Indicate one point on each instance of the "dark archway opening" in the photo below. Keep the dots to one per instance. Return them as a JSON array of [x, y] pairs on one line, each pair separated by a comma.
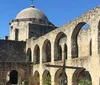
[[46, 51], [46, 78], [36, 78], [61, 38], [29, 54], [81, 77], [59, 52], [65, 51], [59, 78], [79, 29], [36, 55], [14, 77]]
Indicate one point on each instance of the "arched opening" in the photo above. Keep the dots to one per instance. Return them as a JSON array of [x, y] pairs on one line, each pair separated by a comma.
[[29, 54], [58, 77], [65, 51], [60, 40], [36, 78], [81, 77], [80, 34], [13, 77], [46, 50], [46, 78], [90, 47], [59, 52], [36, 58]]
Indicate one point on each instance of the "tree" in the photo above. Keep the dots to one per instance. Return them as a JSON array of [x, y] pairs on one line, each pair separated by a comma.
[[85, 82], [47, 80]]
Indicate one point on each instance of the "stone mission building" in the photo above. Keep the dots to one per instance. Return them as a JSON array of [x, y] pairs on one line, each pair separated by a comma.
[[34, 41]]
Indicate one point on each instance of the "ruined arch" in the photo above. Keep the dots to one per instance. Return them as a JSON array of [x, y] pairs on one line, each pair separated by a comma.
[[36, 58], [29, 54], [13, 77], [58, 77], [81, 75], [46, 50], [46, 78], [60, 40], [74, 37], [36, 78]]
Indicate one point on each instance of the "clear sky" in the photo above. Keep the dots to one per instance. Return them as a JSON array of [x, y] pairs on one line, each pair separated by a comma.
[[59, 12]]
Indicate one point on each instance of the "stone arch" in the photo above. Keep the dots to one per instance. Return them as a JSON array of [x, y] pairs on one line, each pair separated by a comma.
[[46, 78], [36, 78], [46, 50], [74, 36], [60, 40], [29, 54], [13, 77], [58, 77], [81, 75], [36, 58]]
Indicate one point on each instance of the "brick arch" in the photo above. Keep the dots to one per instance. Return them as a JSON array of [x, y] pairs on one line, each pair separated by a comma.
[[46, 50], [74, 36], [36, 58], [46, 77], [80, 74], [60, 39], [29, 54], [58, 77]]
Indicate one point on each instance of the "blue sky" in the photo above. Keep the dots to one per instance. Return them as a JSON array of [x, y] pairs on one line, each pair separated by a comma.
[[58, 12]]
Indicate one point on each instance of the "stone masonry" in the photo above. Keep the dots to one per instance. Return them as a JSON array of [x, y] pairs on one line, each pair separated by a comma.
[[37, 42]]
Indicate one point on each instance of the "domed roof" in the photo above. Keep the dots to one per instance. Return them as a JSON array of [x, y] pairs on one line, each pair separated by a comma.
[[31, 12]]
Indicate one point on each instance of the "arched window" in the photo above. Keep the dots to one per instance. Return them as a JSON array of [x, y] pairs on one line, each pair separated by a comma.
[[61, 38], [13, 77], [29, 54], [46, 51], [36, 58]]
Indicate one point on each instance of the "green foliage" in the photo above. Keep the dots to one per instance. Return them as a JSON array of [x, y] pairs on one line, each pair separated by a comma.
[[31, 81], [47, 80], [26, 82], [85, 82], [36, 81]]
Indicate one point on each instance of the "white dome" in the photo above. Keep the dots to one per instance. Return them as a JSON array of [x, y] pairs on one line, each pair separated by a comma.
[[31, 12]]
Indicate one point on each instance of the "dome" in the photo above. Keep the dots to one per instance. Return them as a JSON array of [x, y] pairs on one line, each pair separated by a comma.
[[31, 12]]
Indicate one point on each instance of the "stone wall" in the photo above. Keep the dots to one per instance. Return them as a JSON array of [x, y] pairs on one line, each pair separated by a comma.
[[82, 48], [36, 30], [12, 51]]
